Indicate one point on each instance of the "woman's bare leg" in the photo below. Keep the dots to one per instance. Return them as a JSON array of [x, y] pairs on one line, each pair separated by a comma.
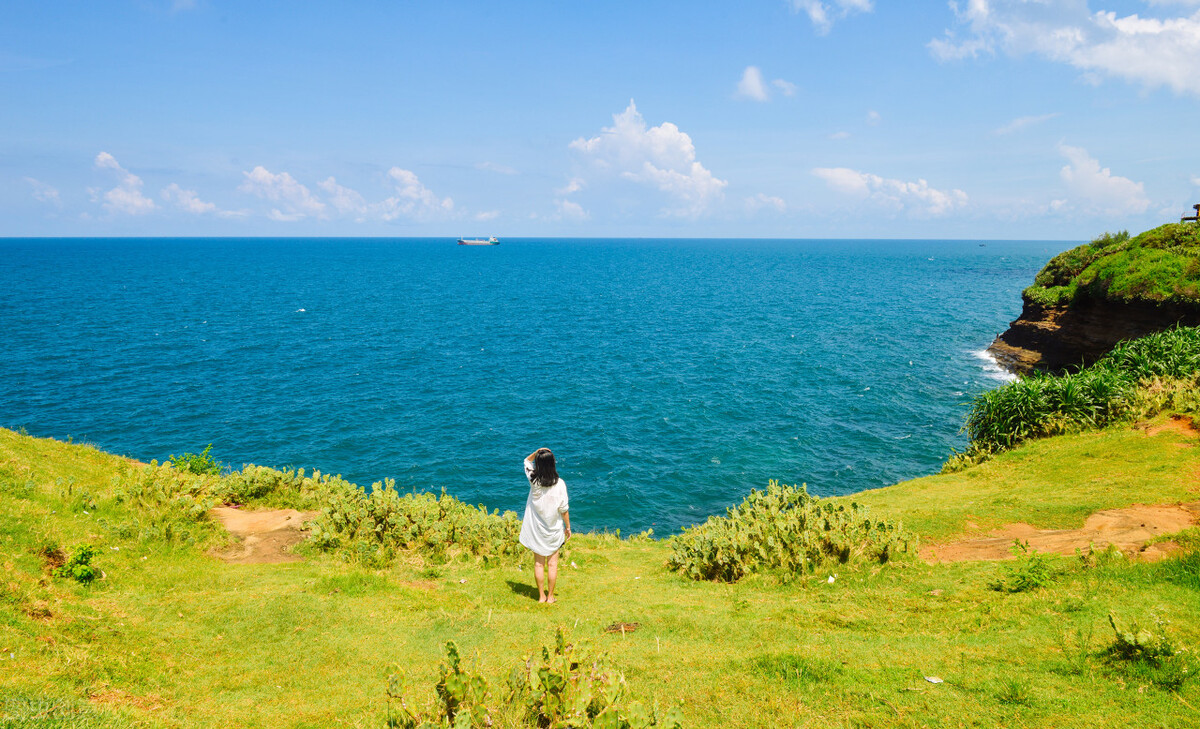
[[553, 576], [539, 574]]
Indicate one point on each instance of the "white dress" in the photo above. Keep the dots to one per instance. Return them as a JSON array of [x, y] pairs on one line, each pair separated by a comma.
[[542, 528]]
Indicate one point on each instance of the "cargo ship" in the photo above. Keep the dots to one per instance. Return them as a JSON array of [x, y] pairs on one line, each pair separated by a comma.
[[479, 241]]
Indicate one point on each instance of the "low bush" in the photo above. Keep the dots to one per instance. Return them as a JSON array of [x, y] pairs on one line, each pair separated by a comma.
[[785, 529], [1138, 378], [1149, 655], [559, 687], [79, 566], [1031, 571], [373, 528], [200, 464]]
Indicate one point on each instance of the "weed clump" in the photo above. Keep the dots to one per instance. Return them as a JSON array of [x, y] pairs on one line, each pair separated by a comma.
[[200, 464], [1031, 571], [1149, 655], [785, 529], [79, 566], [558, 687]]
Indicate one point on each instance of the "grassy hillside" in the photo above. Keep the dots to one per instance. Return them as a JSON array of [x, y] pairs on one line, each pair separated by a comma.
[[173, 637], [1159, 266]]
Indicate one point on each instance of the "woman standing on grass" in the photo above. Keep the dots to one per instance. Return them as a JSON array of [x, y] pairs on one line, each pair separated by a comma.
[[547, 524]]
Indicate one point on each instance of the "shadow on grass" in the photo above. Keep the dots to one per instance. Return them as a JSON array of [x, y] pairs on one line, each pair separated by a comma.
[[524, 589]]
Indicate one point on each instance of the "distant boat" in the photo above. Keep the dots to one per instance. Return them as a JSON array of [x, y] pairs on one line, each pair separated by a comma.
[[479, 241]]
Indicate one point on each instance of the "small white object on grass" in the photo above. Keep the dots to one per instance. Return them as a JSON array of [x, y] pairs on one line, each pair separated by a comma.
[[463, 581], [831, 579], [574, 566], [637, 578], [933, 679]]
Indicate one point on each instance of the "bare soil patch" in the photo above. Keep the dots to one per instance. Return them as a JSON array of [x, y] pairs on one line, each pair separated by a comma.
[[1179, 424], [1127, 529], [264, 537]]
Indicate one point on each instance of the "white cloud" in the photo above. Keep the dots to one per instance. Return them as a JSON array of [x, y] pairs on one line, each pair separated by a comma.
[[344, 200], [762, 201], [662, 157], [1022, 122], [568, 210], [413, 199], [1152, 52], [295, 201], [836, 136], [823, 15], [917, 198], [1097, 190], [752, 86], [187, 200], [1196, 180], [574, 185], [126, 197], [787, 88], [874, 117], [487, 215], [44, 193]]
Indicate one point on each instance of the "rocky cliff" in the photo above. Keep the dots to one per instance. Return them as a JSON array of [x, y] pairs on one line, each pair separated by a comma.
[[1052, 338]]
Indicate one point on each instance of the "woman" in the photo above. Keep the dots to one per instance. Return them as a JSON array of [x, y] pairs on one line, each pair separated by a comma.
[[547, 523]]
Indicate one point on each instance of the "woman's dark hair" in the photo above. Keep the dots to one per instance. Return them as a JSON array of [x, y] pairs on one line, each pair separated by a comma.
[[544, 473]]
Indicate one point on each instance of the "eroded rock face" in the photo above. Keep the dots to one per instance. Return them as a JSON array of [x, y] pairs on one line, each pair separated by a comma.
[[1055, 338]]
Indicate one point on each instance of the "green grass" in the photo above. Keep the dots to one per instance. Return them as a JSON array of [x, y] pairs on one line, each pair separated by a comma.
[[172, 637], [1159, 266]]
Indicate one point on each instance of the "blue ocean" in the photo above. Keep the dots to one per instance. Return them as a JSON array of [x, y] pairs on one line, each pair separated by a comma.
[[670, 377]]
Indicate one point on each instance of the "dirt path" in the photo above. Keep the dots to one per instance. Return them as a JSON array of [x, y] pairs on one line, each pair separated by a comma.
[[1128, 529], [265, 536]]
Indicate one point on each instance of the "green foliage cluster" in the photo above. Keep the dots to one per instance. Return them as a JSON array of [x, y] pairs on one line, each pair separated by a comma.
[[79, 566], [1138, 378], [373, 528], [1150, 655], [1158, 266], [560, 687], [1031, 570], [785, 529], [200, 464], [162, 505]]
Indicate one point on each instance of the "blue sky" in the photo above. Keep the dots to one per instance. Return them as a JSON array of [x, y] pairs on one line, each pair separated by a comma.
[[780, 118]]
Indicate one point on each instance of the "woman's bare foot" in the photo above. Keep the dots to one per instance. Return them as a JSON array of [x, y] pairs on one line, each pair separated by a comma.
[[542, 598], [550, 599]]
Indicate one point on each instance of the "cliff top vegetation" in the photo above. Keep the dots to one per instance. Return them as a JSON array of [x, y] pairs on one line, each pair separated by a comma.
[[1159, 266]]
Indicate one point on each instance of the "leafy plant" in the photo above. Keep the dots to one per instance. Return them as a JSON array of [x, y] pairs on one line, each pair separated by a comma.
[[79, 566], [200, 464], [785, 529], [1149, 655], [1031, 571]]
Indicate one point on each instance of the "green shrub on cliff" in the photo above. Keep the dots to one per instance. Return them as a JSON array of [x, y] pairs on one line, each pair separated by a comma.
[[1138, 378], [1159, 266], [785, 529]]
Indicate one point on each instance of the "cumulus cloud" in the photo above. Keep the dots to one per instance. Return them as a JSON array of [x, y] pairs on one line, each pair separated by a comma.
[[662, 157], [787, 88], [1023, 122], [294, 199], [126, 198], [1096, 190], [823, 15], [837, 136], [44, 193], [1149, 51], [574, 185], [413, 199], [345, 201], [187, 200], [917, 198], [568, 210], [762, 201]]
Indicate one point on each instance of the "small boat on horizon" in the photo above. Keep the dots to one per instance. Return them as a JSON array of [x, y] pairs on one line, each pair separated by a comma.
[[493, 241]]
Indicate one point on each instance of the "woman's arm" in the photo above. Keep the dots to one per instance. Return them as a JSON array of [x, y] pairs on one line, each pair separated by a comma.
[[567, 520]]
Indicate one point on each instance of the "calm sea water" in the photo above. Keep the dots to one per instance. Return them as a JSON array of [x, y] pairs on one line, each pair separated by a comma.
[[670, 376]]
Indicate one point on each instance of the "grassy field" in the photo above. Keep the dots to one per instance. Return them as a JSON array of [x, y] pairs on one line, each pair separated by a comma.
[[173, 637]]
